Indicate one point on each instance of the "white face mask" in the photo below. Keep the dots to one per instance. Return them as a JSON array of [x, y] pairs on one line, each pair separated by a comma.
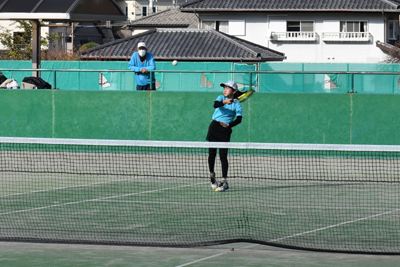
[[142, 53]]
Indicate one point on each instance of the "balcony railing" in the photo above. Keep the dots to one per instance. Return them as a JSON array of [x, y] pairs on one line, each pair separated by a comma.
[[294, 36], [346, 36]]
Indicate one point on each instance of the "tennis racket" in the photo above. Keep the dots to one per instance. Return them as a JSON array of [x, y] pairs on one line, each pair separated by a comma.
[[245, 96]]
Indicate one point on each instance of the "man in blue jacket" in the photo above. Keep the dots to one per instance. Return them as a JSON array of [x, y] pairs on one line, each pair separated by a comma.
[[141, 62]]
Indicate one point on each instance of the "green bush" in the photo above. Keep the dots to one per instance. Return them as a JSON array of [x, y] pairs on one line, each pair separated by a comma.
[[88, 46]]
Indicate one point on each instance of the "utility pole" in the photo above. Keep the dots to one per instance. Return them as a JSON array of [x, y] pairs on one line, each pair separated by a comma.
[[72, 36], [36, 47]]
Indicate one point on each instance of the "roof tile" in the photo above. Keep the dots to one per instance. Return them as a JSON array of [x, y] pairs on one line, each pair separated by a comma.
[[295, 5], [185, 44]]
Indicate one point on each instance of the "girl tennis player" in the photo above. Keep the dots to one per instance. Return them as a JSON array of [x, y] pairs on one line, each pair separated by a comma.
[[220, 130]]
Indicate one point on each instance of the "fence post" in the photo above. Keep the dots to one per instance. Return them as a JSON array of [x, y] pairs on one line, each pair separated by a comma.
[[352, 84], [151, 80], [251, 80], [55, 80]]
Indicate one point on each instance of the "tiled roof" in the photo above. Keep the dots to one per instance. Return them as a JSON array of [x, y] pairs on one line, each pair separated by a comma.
[[61, 10], [291, 5], [185, 44], [170, 18]]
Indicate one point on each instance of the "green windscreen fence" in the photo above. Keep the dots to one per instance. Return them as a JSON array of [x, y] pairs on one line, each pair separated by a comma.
[[245, 80], [304, 83], [365, 83], [336, 78], [207, 80]]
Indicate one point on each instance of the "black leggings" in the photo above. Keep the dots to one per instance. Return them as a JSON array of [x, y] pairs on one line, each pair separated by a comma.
[[223, 156]]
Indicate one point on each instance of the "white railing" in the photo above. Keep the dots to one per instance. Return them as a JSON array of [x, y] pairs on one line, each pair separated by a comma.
[[293, 36], [346, 36]]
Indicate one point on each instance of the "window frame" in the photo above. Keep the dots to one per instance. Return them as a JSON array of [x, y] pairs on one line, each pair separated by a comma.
[[300, 26], [392, 35], [155, 9], [216, 24], [359, 24]]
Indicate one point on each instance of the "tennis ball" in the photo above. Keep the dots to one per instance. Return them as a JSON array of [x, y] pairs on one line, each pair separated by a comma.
[[174, 62]]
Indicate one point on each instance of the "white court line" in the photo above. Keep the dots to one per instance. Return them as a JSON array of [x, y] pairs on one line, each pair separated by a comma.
[[153, 202], [61, 188], [334, 225], [203, 259], [96, 199], [266, 206], [299, 234]]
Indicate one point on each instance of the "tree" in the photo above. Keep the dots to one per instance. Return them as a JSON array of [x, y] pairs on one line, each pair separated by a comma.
[[19, 44], [392, 51], [88, 46]]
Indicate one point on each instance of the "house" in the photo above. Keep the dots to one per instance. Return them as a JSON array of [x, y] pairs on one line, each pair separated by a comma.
[[14, 28], [137, 9], [56, 13], [185, 44], [169, 18], [307, 31]]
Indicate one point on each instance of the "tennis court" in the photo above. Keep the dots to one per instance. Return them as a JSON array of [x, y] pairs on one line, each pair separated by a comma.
[[98, 194], [244, 254]]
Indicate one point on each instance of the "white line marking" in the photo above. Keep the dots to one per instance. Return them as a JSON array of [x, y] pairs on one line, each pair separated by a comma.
[[300, 234], [96, 199], [334, 225], [61, 188], [153, 202], [203, 259]]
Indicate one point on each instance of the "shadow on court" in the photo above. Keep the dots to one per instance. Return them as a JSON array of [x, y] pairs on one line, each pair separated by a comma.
[[237, 254]]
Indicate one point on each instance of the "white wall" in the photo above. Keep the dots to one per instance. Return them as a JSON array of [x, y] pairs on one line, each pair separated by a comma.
[[260, 25], [135, 7], [321, 51]]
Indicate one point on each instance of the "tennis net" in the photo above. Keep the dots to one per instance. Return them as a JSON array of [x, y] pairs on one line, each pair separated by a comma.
[[319, 197]]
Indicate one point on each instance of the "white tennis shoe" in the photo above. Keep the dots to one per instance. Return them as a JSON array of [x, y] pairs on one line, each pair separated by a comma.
[[222, 187], [213, 183]]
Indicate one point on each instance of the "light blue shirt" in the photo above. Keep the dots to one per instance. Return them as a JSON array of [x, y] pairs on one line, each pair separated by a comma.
[[136, 65], [227, 113]]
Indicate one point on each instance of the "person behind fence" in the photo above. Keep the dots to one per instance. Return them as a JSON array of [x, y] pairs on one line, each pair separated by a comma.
[[141, 63]]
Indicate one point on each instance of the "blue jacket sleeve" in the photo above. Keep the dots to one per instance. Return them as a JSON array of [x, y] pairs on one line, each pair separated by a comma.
[[152, 63], [133, 63]]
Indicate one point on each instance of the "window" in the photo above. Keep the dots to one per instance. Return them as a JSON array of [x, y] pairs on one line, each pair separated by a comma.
[[222, 26], [145, 10], [208, 24], [392, 29], [353, 26], [300, 26]]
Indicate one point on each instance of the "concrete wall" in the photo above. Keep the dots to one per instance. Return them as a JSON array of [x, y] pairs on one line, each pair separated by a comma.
[[185, 116]]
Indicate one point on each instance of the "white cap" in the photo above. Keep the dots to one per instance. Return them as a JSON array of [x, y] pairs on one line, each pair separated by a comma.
[[141, 44], [230, 84]]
